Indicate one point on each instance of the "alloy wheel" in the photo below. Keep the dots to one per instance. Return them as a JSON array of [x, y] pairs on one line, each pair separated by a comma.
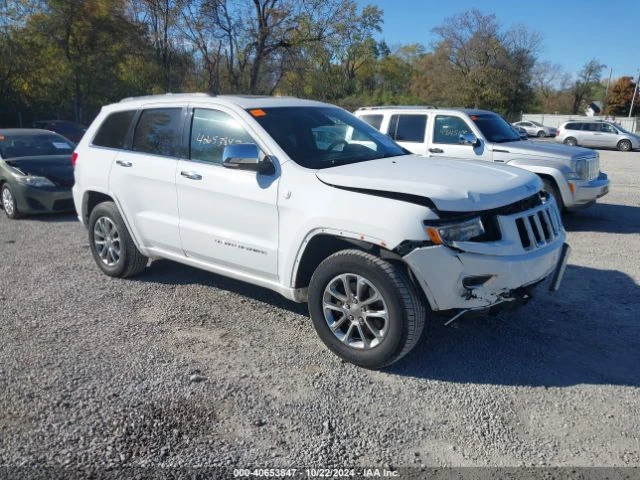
[[106, 240], [8, 202], [355, 311]]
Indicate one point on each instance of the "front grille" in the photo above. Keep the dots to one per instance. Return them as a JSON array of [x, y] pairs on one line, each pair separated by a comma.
[[538, 228]]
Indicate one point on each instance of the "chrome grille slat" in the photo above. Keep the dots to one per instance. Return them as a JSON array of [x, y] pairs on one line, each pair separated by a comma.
[[537, 227]]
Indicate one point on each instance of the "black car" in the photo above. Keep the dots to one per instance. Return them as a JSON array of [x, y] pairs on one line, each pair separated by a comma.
[[71, 130], [36, 174]]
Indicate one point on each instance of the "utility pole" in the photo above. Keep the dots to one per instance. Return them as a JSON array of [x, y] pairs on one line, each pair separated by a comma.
[[633, 100], [606, 93]]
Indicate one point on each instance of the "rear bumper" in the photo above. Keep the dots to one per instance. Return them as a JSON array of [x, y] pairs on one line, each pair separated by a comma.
[[33, 200], [452, 279], [588, 192]]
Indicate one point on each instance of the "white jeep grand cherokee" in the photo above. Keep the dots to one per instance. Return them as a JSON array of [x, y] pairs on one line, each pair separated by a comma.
[[305, 199]]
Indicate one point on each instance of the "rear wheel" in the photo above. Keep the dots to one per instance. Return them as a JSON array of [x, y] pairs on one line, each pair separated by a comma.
[[9, 204], [111, 244], [365, 309], [624, 145], [570, 141]]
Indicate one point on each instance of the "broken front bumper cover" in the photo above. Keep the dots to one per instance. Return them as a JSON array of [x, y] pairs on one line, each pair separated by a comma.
[[456, 280]]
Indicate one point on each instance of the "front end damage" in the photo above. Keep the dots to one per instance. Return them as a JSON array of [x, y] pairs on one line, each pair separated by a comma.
[[488, 276]]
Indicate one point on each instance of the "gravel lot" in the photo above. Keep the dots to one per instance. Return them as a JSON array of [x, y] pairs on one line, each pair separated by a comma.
[[180, 367]]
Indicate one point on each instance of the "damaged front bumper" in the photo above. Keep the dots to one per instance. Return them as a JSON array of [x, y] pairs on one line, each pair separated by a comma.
[[457, 280]]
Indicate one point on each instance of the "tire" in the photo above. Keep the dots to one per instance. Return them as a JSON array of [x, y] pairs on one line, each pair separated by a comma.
[[397, 334], [624, 145], [570, 141], [108, 230], [8, 201], [551, 188], [542, 134]]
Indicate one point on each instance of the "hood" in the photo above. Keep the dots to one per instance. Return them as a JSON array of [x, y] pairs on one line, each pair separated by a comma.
[[56, 168], [543, 149], [451, 185]]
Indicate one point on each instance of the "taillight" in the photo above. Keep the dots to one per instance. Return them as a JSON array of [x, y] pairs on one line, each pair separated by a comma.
[[74, 158]]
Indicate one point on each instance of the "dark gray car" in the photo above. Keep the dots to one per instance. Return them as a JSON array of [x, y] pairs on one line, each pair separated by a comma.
[[36, 174]]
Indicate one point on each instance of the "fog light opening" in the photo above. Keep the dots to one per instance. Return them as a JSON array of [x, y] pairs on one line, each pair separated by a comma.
[[475, 281]]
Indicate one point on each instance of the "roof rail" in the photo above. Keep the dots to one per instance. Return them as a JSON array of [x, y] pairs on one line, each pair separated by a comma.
[[166, 95], [401, 107]]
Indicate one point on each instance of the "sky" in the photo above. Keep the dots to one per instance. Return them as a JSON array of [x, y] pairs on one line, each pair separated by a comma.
[[573, 31]]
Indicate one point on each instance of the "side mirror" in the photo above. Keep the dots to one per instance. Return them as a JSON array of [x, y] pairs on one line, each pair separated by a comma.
[[469, 139], [246, 156]]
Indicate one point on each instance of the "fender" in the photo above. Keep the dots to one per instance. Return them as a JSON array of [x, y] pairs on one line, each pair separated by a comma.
[[353, 237], [553, 168]]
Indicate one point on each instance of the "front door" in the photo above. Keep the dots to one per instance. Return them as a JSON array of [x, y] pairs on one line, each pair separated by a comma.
[[445, 139], [228, 218]]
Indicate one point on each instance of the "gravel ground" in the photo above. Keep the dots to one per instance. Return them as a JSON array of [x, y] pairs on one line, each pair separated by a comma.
[[179, 367]]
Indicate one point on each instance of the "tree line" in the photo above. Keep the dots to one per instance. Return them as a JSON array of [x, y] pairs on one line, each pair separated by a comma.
[[67, 58]]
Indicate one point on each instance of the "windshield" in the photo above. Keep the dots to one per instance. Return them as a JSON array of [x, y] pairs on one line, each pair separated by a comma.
[[495, 129], [619, 127], [323, 137], [28, 145]]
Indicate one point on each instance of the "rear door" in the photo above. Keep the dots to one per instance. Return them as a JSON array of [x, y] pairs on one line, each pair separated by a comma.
[[590, 135], [410, 131], [143, 178], [228, 218], [444, 139]]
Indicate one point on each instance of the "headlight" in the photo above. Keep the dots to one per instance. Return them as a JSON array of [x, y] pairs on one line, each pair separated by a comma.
[[35, 181], [455, 232], [581, 168]]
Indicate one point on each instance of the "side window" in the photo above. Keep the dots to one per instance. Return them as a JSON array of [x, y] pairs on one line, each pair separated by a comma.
[[606, 128], [211, 131], [114, 129], [574, 126], [408, 128], [374, 120], [158, 132], [448, 129], [591, 127]]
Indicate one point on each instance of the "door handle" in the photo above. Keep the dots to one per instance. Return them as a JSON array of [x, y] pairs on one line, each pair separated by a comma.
[[122, 163], [436, 150], [191, 175]]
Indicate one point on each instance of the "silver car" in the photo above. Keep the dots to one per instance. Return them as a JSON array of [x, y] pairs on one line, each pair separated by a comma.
[[535, 129], [598, 134]]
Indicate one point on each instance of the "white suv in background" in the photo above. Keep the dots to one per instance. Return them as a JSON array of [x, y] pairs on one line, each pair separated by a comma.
[[303, 198], [572, 175]]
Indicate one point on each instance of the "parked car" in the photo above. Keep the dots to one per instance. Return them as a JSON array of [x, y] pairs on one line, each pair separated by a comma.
[[572, 175], [598, 134], [368, 234], [521, 132], [535, 129], [36, 175], [71, 130]]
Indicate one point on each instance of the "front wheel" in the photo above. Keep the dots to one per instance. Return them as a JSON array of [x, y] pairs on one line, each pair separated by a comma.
[[542, 134], [624, 145], [550, 187], [111, 244], [365, 309], [9, 204]]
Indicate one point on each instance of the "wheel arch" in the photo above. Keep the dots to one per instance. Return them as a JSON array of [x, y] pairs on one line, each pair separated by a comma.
[[90, 200], [321, 245]]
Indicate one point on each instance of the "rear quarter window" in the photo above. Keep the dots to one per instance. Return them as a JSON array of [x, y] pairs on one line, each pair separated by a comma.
[[572, 126], [114, 129]]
